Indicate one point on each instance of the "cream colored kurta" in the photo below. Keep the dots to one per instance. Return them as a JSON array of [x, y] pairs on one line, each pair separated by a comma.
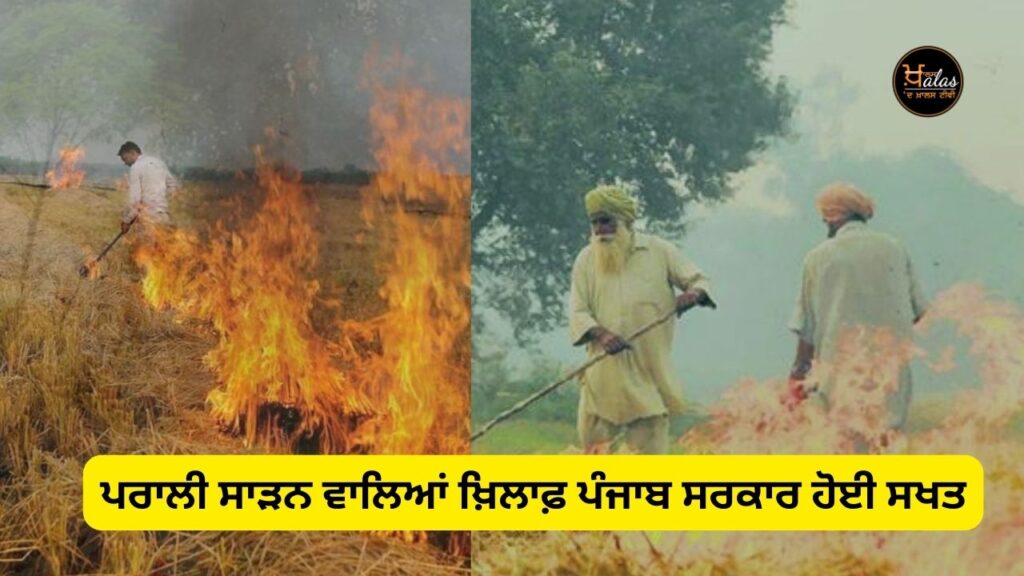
[[635, 383], [149, 182], [859, 278]]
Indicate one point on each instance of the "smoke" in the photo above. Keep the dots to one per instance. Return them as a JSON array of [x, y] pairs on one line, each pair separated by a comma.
[[249, 71]]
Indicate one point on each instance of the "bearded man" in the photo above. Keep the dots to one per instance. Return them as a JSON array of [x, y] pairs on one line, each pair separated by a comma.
[[857, 279], [622, 281]]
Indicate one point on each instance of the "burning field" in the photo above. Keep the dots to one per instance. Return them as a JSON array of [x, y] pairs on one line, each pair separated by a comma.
[[395, 383], [278, 315], [985, 418]]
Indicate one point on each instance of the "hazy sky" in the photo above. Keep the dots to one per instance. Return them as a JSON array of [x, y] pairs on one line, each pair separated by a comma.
[[839, 59], [841, 55]]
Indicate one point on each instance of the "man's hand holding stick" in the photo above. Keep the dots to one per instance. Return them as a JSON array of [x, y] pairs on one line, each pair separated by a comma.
[[609, 341]]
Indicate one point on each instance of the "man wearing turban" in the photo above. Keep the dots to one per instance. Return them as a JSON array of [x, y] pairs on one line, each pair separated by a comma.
[[857, 279], [622, 281]]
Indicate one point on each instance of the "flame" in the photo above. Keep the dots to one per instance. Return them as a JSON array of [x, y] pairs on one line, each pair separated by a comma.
[[996, 333], [278, 379], [90, 268], [751, 419], [253, 282], [419, 204], [69, 176], [405, 384]]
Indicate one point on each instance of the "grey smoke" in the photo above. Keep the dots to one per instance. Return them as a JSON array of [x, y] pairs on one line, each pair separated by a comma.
[[248, 65], [235, 68]]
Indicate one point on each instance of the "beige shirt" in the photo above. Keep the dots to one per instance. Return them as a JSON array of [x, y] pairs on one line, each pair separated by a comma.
[[636, 383], [149, 181], [859, 278]]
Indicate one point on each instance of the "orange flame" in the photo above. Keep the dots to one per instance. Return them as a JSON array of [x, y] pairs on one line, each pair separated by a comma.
[[996, 333], [65, 175], [419, 203], [279, 382], [408, 367], [90, 268], [750, 419], [983, 422], [405, 384]]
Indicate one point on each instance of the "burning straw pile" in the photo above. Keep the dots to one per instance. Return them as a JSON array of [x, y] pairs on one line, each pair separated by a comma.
[[95, 369], [255, 286], [985, 419], [104, 373], [396, 384], [420, 204]]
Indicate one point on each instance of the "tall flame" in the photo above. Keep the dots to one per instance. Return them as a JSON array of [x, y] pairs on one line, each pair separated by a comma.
[[420, 204], [278, 379], [405, 383], [65, 174]]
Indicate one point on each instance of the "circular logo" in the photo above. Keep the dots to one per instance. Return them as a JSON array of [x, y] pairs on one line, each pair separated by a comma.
[[927, 81]]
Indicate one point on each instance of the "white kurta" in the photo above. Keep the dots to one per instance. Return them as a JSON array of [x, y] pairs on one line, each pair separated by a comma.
[[149, 181], [859, 278], [636, 383]]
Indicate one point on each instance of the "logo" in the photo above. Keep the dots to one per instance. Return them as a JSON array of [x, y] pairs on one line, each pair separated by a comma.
[[927, 81]]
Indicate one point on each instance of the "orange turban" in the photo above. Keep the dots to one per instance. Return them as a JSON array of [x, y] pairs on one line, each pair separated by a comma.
[[840, 201]]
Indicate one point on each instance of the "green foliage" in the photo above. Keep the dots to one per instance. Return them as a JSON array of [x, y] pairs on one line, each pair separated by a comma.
[[496, 389], [73, 71], [669, 97], [527, 436]]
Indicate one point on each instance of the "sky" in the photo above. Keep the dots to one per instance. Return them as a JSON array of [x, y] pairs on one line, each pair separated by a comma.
[[950, 187], [845, 52]]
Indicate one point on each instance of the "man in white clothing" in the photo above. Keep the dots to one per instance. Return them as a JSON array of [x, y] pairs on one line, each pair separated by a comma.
[[858, 278], [149, 182]]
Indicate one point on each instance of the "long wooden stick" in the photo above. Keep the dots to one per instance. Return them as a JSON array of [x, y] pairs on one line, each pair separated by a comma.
[[114, 241], [47, 186], [83, 270], [583, 368]]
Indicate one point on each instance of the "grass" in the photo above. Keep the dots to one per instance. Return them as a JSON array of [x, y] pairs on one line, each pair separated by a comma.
[[87, 368], [527, 436]]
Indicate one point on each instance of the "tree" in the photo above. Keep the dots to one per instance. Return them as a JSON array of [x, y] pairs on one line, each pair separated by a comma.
[[667, 97], [72, 71]]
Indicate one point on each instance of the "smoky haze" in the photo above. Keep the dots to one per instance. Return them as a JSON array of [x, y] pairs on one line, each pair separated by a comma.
[[226, 73], [248, 66]]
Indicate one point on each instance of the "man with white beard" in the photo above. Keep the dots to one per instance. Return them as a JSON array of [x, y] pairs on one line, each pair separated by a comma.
[[622, 281]]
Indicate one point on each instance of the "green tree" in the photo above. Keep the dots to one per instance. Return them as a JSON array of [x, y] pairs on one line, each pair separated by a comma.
[[72, 71], [669, 97]]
